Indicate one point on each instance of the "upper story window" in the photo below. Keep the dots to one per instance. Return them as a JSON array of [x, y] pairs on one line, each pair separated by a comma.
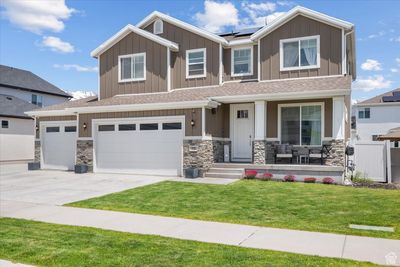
[[242, 61], [299, 53], [132, 67], [196, 63], [158, 27], [37, 100], [364, 113], [4, 124]]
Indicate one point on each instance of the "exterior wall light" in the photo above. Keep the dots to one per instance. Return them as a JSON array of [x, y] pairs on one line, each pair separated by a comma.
[[192, 123], [84, 125]]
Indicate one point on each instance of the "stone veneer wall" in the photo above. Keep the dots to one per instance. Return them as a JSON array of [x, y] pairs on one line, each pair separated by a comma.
[[84, 153], [198, 154], [37, 151], [336, 156], [269, 151], [259, 152]]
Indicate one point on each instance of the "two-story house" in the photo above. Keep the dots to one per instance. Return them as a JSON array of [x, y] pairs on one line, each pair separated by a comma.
[[174, 96], [22, 91]]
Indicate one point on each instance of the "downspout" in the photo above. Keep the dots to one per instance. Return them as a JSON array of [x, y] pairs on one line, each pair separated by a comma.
[[345, 49]]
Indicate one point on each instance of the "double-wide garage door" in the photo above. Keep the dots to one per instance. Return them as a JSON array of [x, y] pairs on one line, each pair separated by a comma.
[[58, 144], [141, 146]]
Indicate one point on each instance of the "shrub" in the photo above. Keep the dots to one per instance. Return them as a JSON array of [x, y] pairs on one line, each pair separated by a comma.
[[310, 180], [250, 174], [363, 181], [328, 180], [266, 176], [289, 178]]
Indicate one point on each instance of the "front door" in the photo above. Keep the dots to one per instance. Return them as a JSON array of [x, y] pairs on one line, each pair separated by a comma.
[[242, 118]]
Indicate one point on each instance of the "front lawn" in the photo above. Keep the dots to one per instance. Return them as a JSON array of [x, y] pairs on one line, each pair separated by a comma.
[[313, 207], [46, 244]]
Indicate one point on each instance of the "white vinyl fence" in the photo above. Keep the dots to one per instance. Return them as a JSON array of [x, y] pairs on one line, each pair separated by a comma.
[[373, 159]]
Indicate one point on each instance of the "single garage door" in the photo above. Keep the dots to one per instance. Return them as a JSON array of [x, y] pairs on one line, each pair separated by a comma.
[[141, 146], [58, 145]]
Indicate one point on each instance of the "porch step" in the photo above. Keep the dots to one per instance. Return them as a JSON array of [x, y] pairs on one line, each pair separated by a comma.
[[224, 175], [227, 172]]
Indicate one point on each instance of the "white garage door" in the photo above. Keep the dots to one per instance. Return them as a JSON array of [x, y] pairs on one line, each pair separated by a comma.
[[58, 145], [141, 146]]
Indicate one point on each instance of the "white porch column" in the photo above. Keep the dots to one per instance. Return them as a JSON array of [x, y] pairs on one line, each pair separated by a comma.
[[259, 120], [338, 119]]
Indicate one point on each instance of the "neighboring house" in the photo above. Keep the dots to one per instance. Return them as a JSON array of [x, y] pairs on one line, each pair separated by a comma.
[[22, 91], [174, 96], [377, 116]]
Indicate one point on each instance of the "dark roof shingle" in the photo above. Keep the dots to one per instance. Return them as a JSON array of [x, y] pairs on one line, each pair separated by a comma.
[[11, 106], [24, 79], [378, 99]]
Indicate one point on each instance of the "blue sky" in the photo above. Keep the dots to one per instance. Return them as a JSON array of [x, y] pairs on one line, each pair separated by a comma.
[[54, 39]]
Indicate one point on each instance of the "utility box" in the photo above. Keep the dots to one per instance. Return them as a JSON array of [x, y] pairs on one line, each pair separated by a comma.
[[226, 153], [191, 173]]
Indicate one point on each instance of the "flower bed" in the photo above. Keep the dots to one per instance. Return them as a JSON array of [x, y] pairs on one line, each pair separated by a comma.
[[310, 180], [266, 176], [250, 174], [328, 180], [289, 178]]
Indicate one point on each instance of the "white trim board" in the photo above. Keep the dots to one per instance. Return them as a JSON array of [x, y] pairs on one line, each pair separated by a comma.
[[124, 32]]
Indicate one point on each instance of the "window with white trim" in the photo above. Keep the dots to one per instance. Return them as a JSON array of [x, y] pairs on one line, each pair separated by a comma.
[[242, 61], [196, 63], [37, 100], [158, 27], [301, 124], [300, 53], [132, 67]]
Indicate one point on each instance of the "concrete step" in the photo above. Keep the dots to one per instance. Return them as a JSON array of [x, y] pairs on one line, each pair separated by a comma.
[[231, 165], [223, 175], [226, 170]]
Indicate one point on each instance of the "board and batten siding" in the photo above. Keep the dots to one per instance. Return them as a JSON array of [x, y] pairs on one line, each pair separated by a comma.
[[187, 41], [300, 26], [190, 114], [156, 67], [217, 122], [272, 115], [227, 61], [52, 118]]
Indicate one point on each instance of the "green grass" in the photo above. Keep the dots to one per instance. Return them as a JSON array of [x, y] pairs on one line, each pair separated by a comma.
[[313, 207], [46, 244]]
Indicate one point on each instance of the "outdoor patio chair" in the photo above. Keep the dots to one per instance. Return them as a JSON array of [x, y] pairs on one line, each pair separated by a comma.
[[303, 153], [316, 153], [284, 152]]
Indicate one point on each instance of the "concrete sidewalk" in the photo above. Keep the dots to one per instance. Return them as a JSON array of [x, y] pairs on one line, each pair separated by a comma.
[[376, 250]]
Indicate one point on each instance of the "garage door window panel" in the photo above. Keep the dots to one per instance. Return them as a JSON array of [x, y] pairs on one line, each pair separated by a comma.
[[172, 126], [127, 127], [70, 129], [149, 126], [52, 129], [106, 128]]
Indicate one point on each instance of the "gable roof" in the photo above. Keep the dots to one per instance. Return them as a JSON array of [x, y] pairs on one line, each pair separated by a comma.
[[124, 32], [299, 10], [379, 99], [26, 80], [11, 106], [206, 34]]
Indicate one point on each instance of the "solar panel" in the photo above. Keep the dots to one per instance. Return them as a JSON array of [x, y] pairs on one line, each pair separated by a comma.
[[248, 31], [391, 98]]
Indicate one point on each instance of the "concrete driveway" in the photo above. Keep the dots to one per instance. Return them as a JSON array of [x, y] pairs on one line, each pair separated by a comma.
[[59, 187]]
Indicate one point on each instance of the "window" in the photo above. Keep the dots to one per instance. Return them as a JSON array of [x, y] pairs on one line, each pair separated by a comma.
[[375, 137], [301, 125], [364, 113], [127, 127], [158, 27], [299, 53], [52, 129], [106, 128], [172, 126], [70, 129], [148, 126], [196, 63], [396, 144], [4, 124], [37, 100], [132, 67], [242, 114], [242, 61]]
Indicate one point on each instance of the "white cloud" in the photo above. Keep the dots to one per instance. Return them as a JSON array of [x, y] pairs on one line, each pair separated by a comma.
[[258, 14], [395, 39], [398, 60], [371, 83], [57, 45], [37, 16], [376, 35], [81, 94], [217, 16], [394, 70], [371, 64], [76, 67]]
